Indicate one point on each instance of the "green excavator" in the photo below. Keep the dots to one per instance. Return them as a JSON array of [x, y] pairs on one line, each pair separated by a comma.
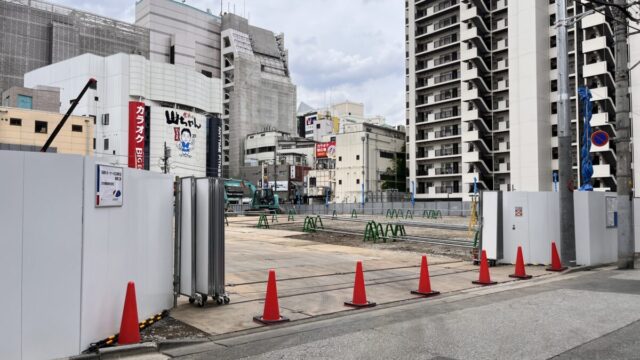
[[242, 192]]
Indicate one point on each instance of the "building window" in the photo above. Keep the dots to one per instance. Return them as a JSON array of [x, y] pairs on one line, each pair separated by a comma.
[[41, 127], [105, 119], [15, 122], [106, 144], [357, 157], [172, 54], [339, 158], [386, 155], [207, 73], [339, 182], [94, 143], [76, 128], [318, 126], [357, 181], [227, 43], [312, 181], [25, 102]]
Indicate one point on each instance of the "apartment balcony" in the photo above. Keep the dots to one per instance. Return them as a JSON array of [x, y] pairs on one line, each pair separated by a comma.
[[503, 85], [504, 167], [474, 14], [594, 44], [501, 24], [501, 45], [502, 126], [593, 20], [437, 10], [500, 5], [604, 173], [594, 69], [601, 120], [606, 152], [501, 65], [474, 158], [502, 105], [601, 171]]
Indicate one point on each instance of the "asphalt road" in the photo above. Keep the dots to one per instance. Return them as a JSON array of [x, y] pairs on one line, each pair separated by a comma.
[[585, 315]]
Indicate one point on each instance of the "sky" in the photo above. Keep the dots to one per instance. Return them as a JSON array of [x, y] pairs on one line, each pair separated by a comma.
[[338, 49]]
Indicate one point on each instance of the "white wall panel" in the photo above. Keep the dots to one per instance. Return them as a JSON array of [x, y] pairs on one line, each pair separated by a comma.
[[51, 267], [129, 243], [202, 235], [11, 190]]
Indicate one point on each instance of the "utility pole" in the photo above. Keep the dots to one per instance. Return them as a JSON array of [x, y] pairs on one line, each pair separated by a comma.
[[565, 161], [626, 244], [165, 158]]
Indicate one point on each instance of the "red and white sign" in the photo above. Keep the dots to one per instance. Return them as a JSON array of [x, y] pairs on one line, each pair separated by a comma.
[[326, 149], [136, 134]]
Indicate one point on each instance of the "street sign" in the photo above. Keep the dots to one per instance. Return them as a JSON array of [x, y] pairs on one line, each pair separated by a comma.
[[599, 138]]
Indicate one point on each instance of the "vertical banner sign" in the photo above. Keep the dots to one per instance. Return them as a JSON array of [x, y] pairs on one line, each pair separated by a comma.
[[214, 146], [136, 134]]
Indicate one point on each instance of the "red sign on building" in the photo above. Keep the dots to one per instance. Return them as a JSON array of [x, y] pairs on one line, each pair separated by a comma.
[[326, 149], [136, 134]]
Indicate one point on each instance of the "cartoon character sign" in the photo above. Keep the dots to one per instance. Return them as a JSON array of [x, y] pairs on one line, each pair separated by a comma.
[[184, 138], [187, 141]]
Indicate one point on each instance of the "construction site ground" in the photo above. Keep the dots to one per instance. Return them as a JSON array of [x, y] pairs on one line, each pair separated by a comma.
[[315, 275]]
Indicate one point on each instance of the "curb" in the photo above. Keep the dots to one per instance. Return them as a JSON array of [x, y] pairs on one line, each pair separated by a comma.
[[176, 343], [126, 350], [585, 268]]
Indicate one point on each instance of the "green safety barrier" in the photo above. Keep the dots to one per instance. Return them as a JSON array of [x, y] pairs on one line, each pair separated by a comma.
[[393, 231], [318, 222], [432, 214], [354, 214], [371, 232], [263, 222], [389, 213], [274, 217], [291, 214], [408, 215], [309, 225], [400, 213]]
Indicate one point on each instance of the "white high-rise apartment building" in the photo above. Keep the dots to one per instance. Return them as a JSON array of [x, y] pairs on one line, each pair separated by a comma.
[[482, 95]]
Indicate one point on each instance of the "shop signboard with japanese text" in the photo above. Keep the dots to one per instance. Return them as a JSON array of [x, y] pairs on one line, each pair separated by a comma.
[[136, 134], [326, 149]]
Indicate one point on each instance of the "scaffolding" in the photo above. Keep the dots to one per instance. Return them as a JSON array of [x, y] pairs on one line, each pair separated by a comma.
[[36, 33]]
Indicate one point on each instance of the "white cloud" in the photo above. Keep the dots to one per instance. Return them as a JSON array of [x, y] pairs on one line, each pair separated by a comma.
[[338, 49]]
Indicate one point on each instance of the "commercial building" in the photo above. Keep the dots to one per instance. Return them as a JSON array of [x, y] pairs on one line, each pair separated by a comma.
[[28, 130], [252, 63], [275, 158], [318, 123], [482, 97], [37, 33], [145, 111], [362, 160], [42, 98]]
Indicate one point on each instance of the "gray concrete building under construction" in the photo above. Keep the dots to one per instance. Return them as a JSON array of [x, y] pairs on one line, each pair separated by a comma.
[[36, 33]]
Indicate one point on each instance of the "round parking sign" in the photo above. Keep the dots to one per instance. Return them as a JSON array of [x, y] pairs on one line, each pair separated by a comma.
[[599, 138]]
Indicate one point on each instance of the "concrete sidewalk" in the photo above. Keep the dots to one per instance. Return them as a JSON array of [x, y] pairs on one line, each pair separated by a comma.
[[316, 278]]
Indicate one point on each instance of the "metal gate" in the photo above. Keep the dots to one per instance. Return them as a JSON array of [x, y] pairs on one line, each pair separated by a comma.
[[199, 229]]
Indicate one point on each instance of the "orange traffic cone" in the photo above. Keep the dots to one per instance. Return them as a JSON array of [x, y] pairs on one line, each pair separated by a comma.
[[556, 264], [424, 287], [271, 312], [484, 278], [359, 293], [520, 272], [129, 331]]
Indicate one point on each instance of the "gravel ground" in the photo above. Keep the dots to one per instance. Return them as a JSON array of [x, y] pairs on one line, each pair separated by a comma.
[[170, 329], [342, 224]]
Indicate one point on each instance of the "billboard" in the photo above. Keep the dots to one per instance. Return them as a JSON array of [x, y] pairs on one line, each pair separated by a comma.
[[326, 149], [136, 134], [185, 134]]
